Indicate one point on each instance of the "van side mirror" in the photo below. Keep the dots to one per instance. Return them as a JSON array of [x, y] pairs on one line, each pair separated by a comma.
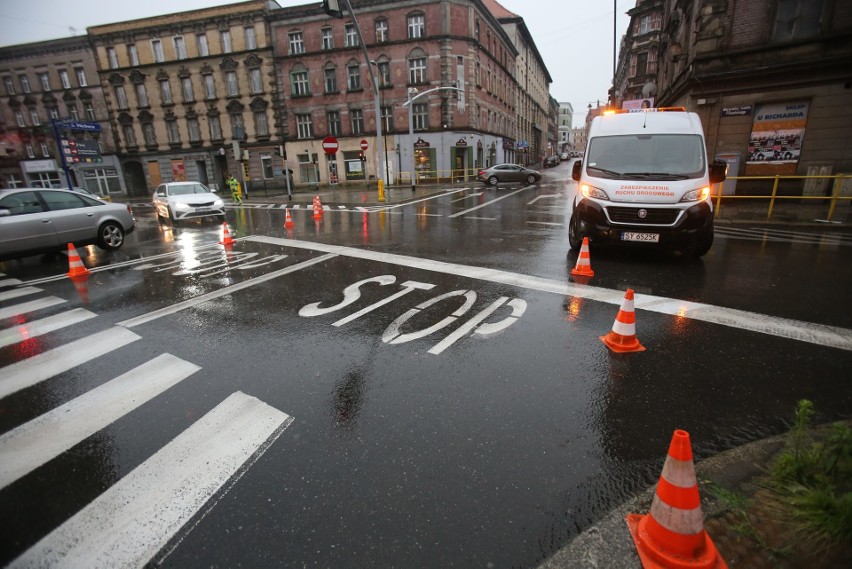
[[718, 171], [576, 170]]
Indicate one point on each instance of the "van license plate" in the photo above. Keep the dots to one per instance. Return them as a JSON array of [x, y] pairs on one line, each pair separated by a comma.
[[644, 237]]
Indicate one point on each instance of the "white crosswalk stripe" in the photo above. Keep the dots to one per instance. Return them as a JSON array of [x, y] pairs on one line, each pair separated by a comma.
[[29, 446], [42, 326], [18, 292], [130, 523], [31, 306], [782, 236]]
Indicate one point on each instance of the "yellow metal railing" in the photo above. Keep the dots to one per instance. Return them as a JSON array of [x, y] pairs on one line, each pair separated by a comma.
[[433, 176], [773, 197]]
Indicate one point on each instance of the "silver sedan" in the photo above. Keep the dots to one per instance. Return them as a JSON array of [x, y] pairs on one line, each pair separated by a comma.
[[36, 220], [187, 200], [508, 174]]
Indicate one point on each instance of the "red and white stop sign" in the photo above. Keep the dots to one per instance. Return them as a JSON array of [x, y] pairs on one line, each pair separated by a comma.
[[329, 144], [363, 144]]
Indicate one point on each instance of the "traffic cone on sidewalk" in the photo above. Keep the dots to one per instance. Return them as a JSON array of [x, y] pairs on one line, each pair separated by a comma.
[[76, 267], [583, 268], [623, 338], [317, 208], [672, 534], [226, 235], [288, 220]]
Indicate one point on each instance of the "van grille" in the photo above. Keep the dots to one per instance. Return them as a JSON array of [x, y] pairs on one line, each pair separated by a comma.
[[654, 216]]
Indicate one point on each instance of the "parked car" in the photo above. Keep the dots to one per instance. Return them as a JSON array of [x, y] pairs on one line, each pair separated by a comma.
[[508, 173], [40, 220], [551, 161], [187, 200], [564, 156]]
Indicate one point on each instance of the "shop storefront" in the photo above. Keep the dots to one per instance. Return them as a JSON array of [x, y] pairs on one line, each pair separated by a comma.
[[424, 159], [43, 174]]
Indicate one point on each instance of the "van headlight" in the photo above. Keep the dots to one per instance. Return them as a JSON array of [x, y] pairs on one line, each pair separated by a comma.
[[698, 195], [592, 192]]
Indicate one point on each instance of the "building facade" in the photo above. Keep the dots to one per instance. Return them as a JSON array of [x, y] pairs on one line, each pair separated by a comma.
[[181, 88], [565, 127], [43, 83]]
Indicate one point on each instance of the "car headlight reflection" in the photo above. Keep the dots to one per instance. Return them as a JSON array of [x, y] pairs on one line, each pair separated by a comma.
[[593, 192]]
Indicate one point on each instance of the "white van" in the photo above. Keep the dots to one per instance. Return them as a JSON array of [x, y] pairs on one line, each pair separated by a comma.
[[645, 181]]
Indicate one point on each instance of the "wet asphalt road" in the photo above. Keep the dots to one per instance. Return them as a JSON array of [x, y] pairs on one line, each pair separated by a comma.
[[439, 394]]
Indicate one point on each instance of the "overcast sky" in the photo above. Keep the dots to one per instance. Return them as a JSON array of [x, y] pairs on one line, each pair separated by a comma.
[[574, 37]]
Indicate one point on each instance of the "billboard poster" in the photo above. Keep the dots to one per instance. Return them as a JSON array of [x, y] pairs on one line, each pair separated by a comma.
[[634, 104], [178, 171], [777, 132]]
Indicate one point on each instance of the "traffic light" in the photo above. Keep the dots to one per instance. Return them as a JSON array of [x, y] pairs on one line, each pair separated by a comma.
[[362, 157], [246, 175]]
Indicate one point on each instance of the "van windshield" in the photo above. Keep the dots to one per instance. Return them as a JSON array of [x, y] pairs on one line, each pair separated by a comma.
[[646, 157]]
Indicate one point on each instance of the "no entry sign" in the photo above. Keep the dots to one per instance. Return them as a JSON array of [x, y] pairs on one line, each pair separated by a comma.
[[329, 144], [363, 144]]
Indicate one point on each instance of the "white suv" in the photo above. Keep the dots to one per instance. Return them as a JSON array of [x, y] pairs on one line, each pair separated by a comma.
[[187, 200]]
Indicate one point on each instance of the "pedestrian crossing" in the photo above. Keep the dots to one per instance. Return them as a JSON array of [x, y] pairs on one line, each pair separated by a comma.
[[769, 234], [131, 522]]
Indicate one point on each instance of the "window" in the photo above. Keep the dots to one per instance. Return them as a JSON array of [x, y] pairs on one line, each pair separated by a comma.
[[356, 120], [81, 77], [172, 130], [387, 119], [201, 44], [420, 114], [19, 119], [354, 77], [304, 126], [233, 86], [194, 130], [166, 92], [641, 64], [45, 81], [381, 30], [299, 83], [384, 73], [90, 112], [350, 35], [141, 95], [64, 79], [256, 84], [797, 19], [227, 46], [237, 125], [112, 57], [215, 127], [120, 97], [209, 87], [25, 83], [180, 47], [327, 38], [53, 112], [133, 55], [330, 79], [186, 88], [261, 124], [34, 117], [266, 166], [417, 70], [10, 85], [73, 112], [45, 151], [643, 26], [251, 39], [30, 151], [416, 26], [149, 134], [297, 43], [129, 135], [157, 51], [333, 118]]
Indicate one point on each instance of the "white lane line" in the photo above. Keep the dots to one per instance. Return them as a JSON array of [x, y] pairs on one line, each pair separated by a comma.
[[43, 326], [830, 336], [171, 309], [27, 447], [491, 202], [17, 292], [36, 369], [130, 523], [427, 198], [535, 199], [468, 197], [482, 218], [545, 223], [9, 282], [31, 306]]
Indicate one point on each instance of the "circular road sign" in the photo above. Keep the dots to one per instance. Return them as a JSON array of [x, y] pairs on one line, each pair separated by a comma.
[[329, 145], [363, 144]]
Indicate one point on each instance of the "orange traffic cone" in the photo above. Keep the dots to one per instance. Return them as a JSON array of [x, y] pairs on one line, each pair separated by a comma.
[[623, 338], [583, 268], [75, 263], [226, 235], [672, 535], [317, 208], [288, 220]]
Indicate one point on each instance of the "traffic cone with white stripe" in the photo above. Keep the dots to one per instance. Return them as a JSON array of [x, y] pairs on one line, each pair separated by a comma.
[[623, 338], [317, 208], [76, 267], [288, 219], [672, 534], [583, 268], [226, 235]]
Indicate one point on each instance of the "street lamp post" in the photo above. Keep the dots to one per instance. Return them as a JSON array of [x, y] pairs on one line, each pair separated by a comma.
[[413, 95]]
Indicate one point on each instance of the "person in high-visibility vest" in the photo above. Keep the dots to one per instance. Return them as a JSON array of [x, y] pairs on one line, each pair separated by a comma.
[[234, 186]]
